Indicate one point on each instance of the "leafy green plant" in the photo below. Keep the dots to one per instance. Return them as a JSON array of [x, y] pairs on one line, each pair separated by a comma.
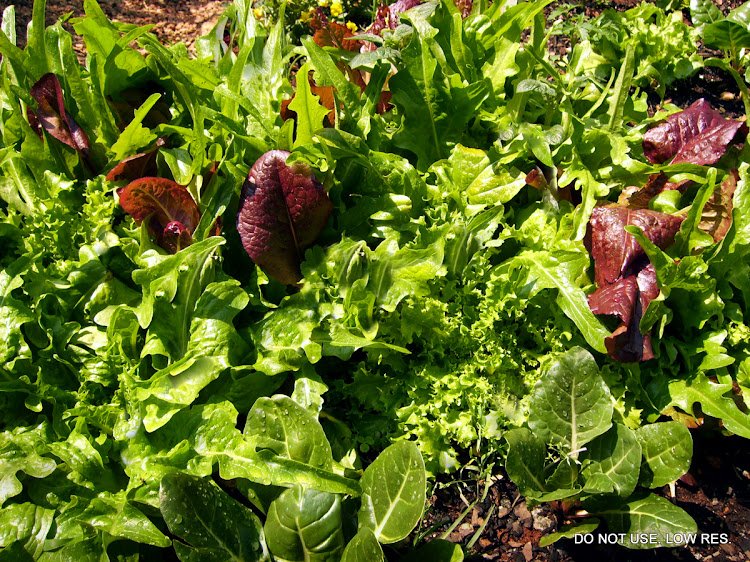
[[601, 461], [451, 172], [730, 34], [301, 522]]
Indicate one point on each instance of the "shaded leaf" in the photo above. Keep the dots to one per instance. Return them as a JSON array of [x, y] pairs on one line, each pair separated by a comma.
[[587, 526], [716, 218], [51, 116], [652, 514], [697, 135], [283, 209], [364, 547], [137, 166], [525, 460], [214, 525], [436, 550], [628, 299]]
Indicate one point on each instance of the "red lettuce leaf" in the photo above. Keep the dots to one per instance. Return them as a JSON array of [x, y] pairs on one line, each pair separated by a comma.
[[333, 34], [138, 166], [170, 208], [174, 237], [51, 116], [627, 298], [283, 209], [616, 253], [697, 135]]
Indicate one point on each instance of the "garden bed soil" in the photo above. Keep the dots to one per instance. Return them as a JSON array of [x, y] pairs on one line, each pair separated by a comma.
[[717, 491]]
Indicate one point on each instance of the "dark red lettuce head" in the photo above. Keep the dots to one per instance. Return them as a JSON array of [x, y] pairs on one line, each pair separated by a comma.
[[625, 277], [170, 209], [697, 135], [616, 253], [283, 210], [51, 116]]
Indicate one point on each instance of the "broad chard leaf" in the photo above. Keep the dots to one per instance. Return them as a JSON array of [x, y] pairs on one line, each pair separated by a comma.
[[283, 209], [304, 525], [571, 404], [667, 452], [652, 514], [364, 547], [393, 492], [289, 430], [213, 525], [612, 462], [525, 461]]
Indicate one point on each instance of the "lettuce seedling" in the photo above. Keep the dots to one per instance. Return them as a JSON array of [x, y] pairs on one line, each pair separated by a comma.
[[283, 209]]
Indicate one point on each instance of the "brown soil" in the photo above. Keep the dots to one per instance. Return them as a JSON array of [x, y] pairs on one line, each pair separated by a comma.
[[174, 21], [717, 494]]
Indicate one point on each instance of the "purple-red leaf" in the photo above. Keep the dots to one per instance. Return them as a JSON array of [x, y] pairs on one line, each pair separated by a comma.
[[616, 253], [138, 166], [628, 299], [173, 213], [697, 135], [51, 116], [175, 236], [283, 209]]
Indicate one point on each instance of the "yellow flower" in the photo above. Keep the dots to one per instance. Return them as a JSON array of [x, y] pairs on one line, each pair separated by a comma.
[[305, 17], [352, 26], [336, 9], [323, 3], [258, 13]]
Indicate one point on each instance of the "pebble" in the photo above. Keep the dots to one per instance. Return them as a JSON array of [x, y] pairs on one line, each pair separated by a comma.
[[542, 521]]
